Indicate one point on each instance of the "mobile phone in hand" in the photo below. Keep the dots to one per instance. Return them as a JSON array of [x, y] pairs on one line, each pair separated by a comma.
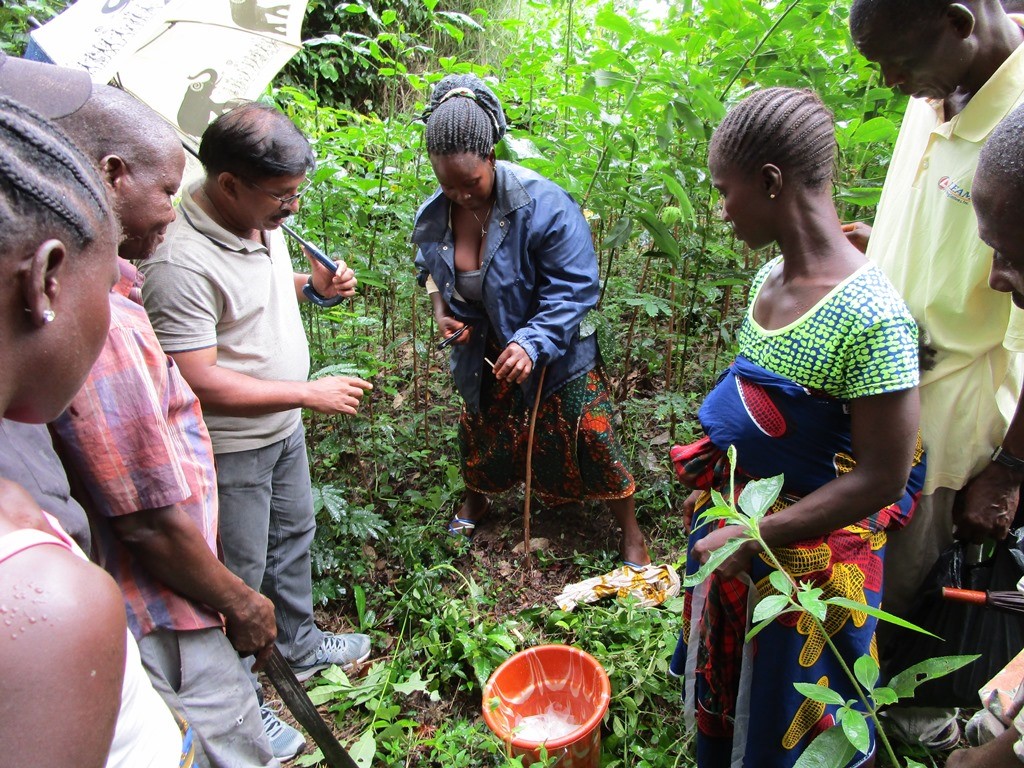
[[447, 342]]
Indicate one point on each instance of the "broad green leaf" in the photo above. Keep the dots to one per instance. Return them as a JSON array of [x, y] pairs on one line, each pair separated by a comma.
[[360, 597], [879, 94], [665, 42], [328, 70], [661, 234], [619, 233], [770, 607], [676, 190], [781, 582], [856, 729], [828, 750], [757, 496], [673, 186], [879, 129], [884, 696], [415, 684], [580, 103], [719, 556], [712, 514], [718, 499], [388, 16], [861, 195], [460, 18], [611, 119], [821, 693], [372, 13], [520, 148], [866, 670], [811, 602], [364, 750], [694, 125], [878, 613], [605, 78], [906, 682], [609, 19]]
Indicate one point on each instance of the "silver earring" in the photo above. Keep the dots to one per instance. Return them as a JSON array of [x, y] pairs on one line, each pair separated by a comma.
[[772, 196], [49, 316]]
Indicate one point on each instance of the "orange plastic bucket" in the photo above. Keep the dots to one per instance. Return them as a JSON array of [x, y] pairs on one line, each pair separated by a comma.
[[565, 685]]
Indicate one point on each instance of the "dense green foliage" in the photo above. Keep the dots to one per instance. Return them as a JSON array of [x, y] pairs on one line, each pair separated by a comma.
[[617, 107], [16, 19]]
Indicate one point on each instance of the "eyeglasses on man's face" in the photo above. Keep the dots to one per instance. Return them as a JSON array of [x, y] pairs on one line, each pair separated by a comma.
[[283, 200]]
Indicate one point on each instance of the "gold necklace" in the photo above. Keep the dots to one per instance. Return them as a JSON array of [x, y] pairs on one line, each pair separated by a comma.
[[483, 229]]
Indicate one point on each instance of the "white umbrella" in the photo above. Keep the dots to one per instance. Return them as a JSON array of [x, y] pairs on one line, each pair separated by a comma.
[[190, 60]]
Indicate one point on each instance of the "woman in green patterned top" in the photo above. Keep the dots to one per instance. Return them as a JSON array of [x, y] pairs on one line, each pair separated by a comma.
[[823, 392]]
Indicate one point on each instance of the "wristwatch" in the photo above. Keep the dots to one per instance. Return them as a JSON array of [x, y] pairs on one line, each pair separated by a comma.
[[1001, 456], [320, 300]]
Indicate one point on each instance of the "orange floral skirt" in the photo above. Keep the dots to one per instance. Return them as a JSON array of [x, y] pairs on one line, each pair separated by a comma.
[[576, 455]]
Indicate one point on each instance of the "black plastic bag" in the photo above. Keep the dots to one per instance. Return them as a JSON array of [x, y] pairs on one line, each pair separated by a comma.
[[965, 629]]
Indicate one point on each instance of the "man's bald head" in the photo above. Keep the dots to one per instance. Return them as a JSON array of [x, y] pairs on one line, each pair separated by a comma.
[[113, 122], [141, 157]]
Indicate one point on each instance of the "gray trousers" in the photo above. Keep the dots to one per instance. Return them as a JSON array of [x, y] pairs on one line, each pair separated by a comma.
[[199, 674], [266, 530]]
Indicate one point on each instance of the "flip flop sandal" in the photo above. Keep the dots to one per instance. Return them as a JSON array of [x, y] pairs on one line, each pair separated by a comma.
[[462, 527]]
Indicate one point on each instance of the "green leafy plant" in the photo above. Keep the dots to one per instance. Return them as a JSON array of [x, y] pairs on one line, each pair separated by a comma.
[[17, 18], [838, 745]]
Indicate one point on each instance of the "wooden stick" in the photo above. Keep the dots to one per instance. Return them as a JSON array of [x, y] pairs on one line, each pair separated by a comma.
[[529, 470]]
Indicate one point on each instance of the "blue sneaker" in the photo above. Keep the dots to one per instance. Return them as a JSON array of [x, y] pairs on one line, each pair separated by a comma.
[[286, 742], [347, 651]]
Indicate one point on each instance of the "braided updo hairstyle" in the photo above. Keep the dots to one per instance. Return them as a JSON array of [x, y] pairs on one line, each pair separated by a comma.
[[786, 127], [464, 115], [48, 187]]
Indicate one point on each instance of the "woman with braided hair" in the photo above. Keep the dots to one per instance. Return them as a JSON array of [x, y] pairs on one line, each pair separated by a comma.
[[73, 693], [509, 264], [823, 392]]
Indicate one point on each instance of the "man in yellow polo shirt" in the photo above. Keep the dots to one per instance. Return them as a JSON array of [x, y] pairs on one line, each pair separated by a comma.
[[964, 65]]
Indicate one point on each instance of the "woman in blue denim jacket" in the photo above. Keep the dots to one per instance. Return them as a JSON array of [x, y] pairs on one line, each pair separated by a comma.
[[509, 264]]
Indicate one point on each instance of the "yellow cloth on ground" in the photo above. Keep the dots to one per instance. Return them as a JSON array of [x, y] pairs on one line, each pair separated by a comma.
[[652, 584], [925, 238]]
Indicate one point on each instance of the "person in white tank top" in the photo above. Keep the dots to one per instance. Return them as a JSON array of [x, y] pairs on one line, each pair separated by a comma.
[[72, 691]]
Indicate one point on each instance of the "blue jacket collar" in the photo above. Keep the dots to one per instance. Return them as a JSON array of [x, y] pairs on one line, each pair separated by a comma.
[[432, 225]]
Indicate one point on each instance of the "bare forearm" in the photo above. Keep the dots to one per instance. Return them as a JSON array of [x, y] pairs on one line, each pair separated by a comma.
[[300, 283], [884, 438], [837, 504], [175, 553], [236, 394], [441, 308]]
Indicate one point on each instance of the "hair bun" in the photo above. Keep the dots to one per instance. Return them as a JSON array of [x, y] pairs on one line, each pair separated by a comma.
[[469, 87]]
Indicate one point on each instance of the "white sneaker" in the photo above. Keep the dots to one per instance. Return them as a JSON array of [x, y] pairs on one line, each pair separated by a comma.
[[286, 742], [347, 651]]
